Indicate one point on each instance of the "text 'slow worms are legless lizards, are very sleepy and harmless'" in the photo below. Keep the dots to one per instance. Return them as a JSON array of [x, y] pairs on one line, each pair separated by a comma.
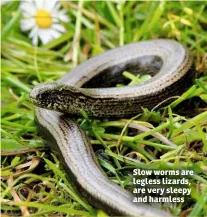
[[89, 86]]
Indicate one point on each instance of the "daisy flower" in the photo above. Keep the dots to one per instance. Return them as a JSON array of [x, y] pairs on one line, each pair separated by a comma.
[[43, 18]]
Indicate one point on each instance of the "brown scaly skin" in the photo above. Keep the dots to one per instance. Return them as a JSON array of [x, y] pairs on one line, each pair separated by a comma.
[[167, 60]]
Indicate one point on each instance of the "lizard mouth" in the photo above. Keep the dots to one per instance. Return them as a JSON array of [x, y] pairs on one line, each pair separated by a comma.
[[36, 97], [35, 101], [38, 94], [33, 96]]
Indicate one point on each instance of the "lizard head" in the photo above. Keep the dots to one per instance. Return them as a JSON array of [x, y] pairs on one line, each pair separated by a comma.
[[58, 97]]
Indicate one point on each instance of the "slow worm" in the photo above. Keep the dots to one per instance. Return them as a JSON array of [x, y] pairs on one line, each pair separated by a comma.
[[89, 86]]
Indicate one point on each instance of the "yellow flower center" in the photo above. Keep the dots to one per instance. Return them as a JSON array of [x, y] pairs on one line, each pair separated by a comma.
[[43, 18]]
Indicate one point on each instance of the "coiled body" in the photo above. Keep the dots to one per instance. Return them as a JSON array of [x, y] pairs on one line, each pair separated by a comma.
[[169, 63]]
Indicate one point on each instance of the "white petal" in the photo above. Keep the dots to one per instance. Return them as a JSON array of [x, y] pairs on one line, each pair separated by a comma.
[[59, 16], [34, 36], [50, 4], [27, 24], [58, 27], [57, 6], [45, 35], [35, 40], [26, 14], [34, 32], [55, 34], [39, 4], [54, 16], [28, 7], [62, 16]]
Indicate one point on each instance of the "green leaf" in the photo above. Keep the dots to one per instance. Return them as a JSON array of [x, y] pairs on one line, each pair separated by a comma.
[[10, 25]]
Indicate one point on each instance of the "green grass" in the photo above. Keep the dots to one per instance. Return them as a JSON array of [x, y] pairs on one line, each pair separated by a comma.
[[33, 180]]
